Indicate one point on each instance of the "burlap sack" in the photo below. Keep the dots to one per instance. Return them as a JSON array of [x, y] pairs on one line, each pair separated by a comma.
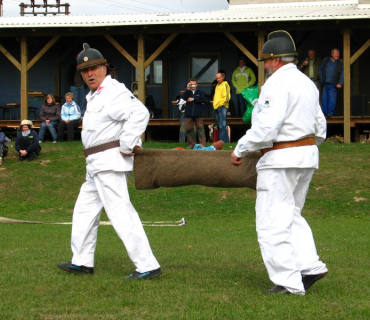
[[156, 168]]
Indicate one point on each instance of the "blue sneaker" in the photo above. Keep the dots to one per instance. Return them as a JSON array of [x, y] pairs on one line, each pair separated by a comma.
[[70, 267], [143, 276]]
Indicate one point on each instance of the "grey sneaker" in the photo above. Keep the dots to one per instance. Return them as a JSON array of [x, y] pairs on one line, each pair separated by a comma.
[[144, 275], [70, 267]]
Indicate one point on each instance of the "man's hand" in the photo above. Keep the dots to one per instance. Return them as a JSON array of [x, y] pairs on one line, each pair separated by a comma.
[[338, 86], [132, 153], [190, 99], [23, 153], [235, 161], [47, 122]]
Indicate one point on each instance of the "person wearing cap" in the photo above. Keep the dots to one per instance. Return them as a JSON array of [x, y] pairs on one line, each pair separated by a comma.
[[287, 126], [27, 142], [112, 126]]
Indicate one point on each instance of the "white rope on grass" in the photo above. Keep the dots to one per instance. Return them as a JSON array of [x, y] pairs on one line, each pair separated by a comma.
[[179, 223]]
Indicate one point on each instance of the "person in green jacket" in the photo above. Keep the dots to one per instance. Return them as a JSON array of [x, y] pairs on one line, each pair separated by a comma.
[[243, 77]]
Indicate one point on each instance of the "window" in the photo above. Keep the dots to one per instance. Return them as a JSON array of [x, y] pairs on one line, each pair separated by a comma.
[[204, 66], [153, 73]]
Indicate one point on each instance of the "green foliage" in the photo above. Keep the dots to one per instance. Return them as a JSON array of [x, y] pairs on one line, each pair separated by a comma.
[[212, 268]]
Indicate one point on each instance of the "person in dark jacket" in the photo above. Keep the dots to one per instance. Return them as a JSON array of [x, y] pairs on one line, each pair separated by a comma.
[[332, 78], [27, 142], [195, 99], [50, 116]]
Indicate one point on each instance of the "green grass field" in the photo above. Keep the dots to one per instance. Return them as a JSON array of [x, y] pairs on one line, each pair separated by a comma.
[[212, 268]]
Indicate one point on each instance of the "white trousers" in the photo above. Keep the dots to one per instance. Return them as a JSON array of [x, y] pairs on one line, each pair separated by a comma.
[[285, 238], [108, 189]]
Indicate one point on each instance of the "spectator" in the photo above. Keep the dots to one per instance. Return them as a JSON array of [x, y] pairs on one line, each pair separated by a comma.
[[27, 142], [311, 66], [243, 77], [70, 118], [77, 86], [221, 104], [50, 115], [3, 146], [331, 79], [195, 99], [213, 88]]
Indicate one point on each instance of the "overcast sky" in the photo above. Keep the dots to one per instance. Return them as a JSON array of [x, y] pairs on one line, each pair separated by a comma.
[[85, 7]]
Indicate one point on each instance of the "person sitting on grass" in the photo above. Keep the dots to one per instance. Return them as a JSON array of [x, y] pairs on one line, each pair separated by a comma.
[[50, 115], [27, 142], [3, 146], [71, 115]]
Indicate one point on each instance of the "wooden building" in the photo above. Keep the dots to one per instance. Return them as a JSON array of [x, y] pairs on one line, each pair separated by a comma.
[[162, 51]]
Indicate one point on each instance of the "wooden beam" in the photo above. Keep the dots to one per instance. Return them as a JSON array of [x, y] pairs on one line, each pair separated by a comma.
[[157, 52], [241, 47], [10, 57], [141, 68], [24, 79], [261, 69], [121, 50], [347, 85], [42, 51], [360, 51]]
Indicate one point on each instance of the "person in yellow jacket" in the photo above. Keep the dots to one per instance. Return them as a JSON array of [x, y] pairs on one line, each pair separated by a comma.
[[243, 77], [221, 105]]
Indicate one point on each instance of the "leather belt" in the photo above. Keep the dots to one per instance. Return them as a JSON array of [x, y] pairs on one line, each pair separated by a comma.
[[101, 147], [309, 141]]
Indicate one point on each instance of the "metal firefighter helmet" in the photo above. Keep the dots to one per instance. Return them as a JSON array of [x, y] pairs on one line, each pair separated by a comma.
[[279, 44], [89, 57], [28, 123]]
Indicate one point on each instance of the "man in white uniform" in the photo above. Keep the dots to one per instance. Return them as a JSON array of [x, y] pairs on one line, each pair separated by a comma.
[[112, 126], [287, 126]]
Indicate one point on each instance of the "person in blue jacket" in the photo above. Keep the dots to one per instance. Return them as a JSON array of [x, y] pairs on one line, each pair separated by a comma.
[[195, 99], [70, 117]]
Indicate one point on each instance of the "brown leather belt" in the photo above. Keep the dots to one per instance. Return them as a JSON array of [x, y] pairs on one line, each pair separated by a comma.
[[309, 141], [101, 147]]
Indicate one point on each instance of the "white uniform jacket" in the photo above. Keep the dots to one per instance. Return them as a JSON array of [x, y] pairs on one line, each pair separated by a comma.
[[112, 113], [287, 110]]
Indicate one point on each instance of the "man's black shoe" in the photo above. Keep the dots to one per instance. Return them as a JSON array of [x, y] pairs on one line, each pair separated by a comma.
[[309, 279], [277, 289], [144, 275], [70, 267]]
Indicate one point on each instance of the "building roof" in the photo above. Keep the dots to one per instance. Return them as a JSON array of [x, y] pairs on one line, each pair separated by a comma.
[[266, 12]]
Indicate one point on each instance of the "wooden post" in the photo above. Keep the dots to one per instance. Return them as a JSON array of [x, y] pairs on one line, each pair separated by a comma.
[[140, 68], [347, 85], [24, 79], [261, 70]]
